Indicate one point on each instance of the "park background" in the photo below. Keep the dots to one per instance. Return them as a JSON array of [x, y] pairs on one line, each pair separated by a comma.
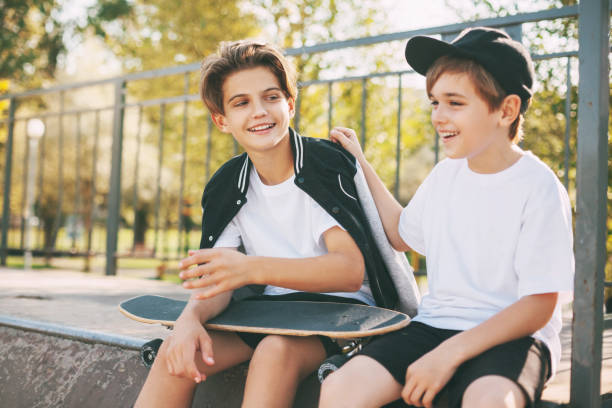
[[47, 42]]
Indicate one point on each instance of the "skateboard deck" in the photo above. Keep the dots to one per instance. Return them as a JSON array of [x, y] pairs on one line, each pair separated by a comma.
[[296, 318]]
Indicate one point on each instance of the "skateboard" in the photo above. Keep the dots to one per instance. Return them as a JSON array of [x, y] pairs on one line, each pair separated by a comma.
[[295, 318]]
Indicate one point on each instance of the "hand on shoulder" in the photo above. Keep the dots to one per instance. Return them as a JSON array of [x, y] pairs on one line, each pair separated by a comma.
[[347, 138]]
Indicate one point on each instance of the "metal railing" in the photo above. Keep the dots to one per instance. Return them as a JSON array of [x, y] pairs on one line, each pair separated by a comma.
[[103, 199]]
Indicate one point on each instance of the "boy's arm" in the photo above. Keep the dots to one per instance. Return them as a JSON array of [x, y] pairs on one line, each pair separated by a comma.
[[340, 270], [426, 376], [388, 207]]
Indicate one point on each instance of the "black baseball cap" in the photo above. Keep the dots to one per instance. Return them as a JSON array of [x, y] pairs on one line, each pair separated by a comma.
[[505, 59]]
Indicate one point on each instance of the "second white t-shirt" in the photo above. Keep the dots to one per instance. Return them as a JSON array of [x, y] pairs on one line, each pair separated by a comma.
[[282, 221], [490, 239]]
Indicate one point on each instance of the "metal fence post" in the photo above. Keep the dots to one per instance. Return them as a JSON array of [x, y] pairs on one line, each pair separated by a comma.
[[592, 172], [6, 198], [114, 194]]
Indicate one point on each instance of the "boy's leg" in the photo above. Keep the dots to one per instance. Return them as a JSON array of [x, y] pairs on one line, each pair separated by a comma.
[[164, 390], [361, 382], [493, 391], [376, 376], [512, 374], [278, 365]]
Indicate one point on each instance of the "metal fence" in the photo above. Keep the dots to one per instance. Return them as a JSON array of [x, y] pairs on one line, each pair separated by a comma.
[[86, 167]]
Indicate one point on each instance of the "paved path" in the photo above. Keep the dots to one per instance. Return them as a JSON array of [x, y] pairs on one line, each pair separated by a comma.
[[89, 301]]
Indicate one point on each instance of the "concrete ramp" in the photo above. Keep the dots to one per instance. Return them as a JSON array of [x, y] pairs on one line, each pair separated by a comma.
[[63, 343], [39, 369]]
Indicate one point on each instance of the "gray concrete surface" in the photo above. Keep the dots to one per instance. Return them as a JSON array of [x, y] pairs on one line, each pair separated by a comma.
[[69, 370], [65, 356]]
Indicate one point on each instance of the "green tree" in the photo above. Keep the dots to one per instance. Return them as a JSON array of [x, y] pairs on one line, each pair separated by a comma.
[[35, 33]]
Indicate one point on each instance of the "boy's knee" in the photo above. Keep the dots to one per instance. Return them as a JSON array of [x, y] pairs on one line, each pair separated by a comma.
[[162, 352], [273, 347], [333, 386], [493, 391]]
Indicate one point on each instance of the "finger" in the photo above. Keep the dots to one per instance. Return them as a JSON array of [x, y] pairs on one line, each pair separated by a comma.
[[344, 130], [198, 257], [417, 395], [190, 369], [218, 285], [199, 271], [428, 398], [337, 135], [205, 281], [206, 350], [407, 390]]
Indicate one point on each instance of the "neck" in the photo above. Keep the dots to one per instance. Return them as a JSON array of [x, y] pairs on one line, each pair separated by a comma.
[[496, 158], [276, 165]]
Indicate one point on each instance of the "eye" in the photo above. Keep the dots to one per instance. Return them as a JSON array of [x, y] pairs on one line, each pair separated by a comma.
[[273, 97], [240, 103], [433, 102], [455, 103]]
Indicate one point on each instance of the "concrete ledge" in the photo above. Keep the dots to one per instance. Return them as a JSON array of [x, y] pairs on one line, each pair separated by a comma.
[[49, 365], [44, 370], [71, 333]]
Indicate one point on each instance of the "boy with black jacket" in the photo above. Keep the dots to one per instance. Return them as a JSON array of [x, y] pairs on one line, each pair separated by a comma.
[[292, 203]]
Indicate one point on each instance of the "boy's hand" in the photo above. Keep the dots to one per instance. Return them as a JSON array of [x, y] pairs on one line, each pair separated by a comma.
[[220, 269], [348, 139], [427, 376], [188, 337]]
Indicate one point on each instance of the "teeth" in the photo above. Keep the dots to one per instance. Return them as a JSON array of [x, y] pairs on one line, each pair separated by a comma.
[[262, 127], [446, 134]]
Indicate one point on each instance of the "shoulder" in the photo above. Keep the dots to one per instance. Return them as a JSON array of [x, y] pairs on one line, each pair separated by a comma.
[[325, 154], [443, 172], [545, 188], [227, 174], [538, 174]]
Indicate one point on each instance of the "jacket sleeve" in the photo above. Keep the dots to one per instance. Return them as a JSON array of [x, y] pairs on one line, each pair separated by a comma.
[[399, 269]]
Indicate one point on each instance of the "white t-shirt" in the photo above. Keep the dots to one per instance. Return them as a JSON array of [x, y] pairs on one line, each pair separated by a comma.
[[490, 239], [282, 221]]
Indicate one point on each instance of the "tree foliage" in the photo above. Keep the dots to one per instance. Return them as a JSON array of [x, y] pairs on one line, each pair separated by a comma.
[[35, 34]]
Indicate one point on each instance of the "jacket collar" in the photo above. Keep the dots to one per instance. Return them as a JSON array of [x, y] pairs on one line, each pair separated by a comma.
[[297, 148]]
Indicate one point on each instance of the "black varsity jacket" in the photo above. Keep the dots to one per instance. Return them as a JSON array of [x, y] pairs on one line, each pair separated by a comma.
[[323, 170]]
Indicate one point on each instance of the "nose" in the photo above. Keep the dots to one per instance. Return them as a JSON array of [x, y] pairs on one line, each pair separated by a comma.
[[438, 115], [259, 109]]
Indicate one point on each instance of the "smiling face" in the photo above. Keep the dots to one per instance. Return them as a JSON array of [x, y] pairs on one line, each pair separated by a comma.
[[256, 110], [466, 125]]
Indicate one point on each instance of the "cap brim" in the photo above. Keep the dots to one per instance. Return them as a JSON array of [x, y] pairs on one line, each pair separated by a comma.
[[421, 52]]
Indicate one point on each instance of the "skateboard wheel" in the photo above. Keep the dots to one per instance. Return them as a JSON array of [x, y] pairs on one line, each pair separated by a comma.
[[148, 352], [330, 365]]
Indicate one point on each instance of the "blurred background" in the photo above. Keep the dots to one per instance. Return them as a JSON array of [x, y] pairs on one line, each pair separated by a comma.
[[123, 74]]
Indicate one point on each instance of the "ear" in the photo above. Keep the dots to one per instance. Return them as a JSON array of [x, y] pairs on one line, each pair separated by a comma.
[[220, 121], [510, 109], [291, 103]]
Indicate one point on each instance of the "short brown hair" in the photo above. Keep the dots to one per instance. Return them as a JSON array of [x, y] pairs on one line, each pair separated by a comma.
[[236, 56], [486, 86]]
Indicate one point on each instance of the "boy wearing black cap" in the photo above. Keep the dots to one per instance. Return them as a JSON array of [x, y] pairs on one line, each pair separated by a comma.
[[494, 223]]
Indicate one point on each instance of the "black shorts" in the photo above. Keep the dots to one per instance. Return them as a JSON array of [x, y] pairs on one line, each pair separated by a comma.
[[331, 347], [526, 361]]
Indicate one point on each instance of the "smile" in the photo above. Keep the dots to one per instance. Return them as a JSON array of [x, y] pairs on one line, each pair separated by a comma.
[[259, 128], [446, 134]]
